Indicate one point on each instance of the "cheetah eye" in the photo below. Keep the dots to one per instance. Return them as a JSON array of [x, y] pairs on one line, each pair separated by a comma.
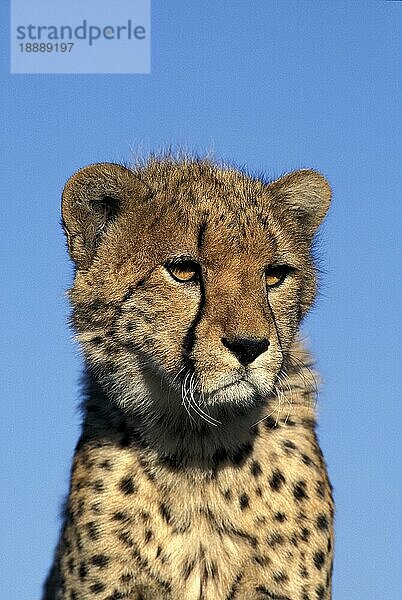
[[276, 274], [183, 270]]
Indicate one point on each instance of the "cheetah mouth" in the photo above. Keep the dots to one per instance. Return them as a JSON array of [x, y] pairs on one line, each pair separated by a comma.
[[226, 386], [237, 390]]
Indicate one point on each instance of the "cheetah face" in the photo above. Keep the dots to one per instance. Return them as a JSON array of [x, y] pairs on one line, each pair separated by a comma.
[[191, 280]]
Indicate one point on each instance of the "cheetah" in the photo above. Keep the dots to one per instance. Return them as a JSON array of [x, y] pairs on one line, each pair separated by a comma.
[[197, 474]]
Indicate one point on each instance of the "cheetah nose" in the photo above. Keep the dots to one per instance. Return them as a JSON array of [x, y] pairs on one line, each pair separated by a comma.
[[246, 349]]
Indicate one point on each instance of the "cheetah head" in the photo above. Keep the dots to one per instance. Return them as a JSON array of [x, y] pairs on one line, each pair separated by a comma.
[[191, 279]]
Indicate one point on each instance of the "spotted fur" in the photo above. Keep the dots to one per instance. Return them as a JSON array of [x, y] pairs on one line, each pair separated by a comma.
[[198, 474]]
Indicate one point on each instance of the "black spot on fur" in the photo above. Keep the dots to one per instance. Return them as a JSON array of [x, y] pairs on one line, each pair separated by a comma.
[[83, 571], [182, 527], [127, 485], [227, 494], [289, 445], [320, 489], [98, 486], [233, 531], [131, 346], [319, 559], [234, 588], [147, 469], [213, 567], [165, 584], [304, 534], [129, 326], [80, 507], [277, 480], [128, 294], [260, 560], [97, 588], [148, 535], [244, 501], [79, 541], [115, 596], [261, 589], [210, 570], [164, 510], [280, 517], [100, 560], [303, 572], [322, 522], [93, 530], [188, 568], [62, 584], [255, 468], [280, 577], [275, 539], [270, 423], [120, 516], [126, 538], [299, 491], [107, 465], [307, 460], [320, 592], [70, 565]]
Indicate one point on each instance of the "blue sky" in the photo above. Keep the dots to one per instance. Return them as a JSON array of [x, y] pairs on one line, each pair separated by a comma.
[[274, 85]]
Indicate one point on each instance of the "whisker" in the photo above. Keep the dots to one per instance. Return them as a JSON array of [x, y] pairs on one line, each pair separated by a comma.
[[187, 398], [302, 368], [196, 407], [184, 396], [269, 414], [283, 379], [309, 383], [179, 372], [278, 409]]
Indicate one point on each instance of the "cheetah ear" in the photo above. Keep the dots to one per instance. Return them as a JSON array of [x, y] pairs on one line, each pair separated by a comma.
[[92, 199], [306, 193]]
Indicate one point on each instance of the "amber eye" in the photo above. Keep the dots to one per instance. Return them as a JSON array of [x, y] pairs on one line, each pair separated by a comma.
[[184, 271], [275, 275]]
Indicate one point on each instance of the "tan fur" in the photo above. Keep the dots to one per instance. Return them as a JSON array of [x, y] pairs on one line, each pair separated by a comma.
[[196, 476]]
